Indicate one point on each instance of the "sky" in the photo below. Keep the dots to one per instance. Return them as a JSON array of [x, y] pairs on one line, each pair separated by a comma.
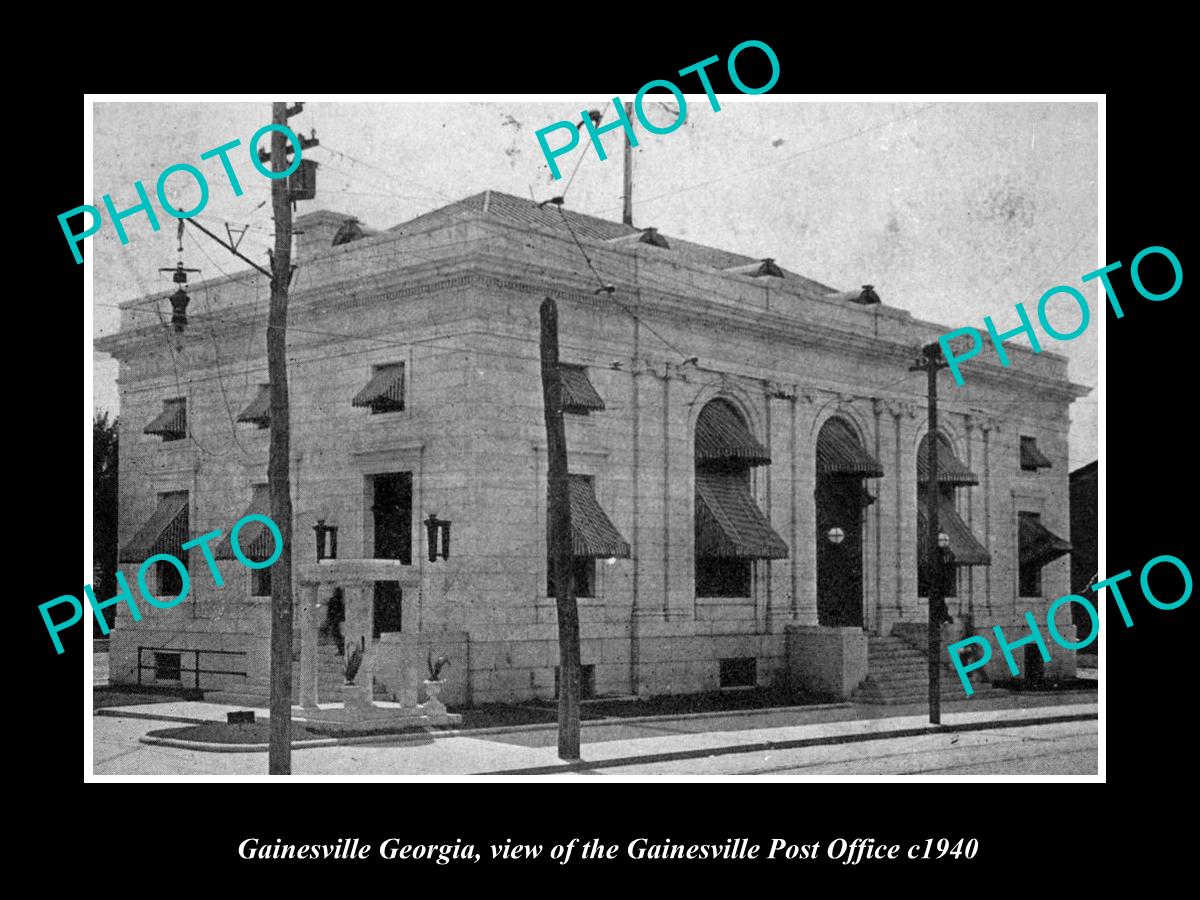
[[952, 210]]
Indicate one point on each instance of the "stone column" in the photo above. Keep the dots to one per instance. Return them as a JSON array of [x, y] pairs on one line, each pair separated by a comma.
[[908, 605], [806, 523], [967, 580], [987, 426], [309, 619], [411, 669], [781, 402], [360, 611], [881, 519]]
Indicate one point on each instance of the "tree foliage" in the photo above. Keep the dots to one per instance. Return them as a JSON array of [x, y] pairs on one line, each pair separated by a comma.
[[105, 437]]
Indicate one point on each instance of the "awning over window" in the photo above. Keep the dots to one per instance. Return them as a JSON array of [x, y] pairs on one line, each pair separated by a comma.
[[259, 410], [163, 532], [950, 469], [1031, 456], [839, 452], [171, 422], [578, 392], [386, 386], [1038, 544], [967, 549], [729, 523], [592, 532], [722, 436], [256, 541]]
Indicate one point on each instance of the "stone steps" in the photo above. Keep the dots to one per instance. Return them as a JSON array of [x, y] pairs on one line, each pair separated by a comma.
[[898, 672]]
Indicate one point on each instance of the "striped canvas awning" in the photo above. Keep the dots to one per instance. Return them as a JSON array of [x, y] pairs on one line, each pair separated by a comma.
[[259, 410], [256, 541], [950, 469], [968, 550], [164, 531], [386, 387], [578, 394], [839, 452], [1031, 456], [171, 422], [592, 531], [729, 523], [1038, 544], [722, 436]]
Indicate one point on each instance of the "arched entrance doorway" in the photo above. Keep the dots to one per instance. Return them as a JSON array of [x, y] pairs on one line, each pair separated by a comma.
[[841, 497]]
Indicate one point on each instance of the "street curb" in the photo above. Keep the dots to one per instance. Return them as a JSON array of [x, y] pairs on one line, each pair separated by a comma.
[[594, 723], [636, 720], [797, 743], [111, 712], [209, 747], [115, 712]]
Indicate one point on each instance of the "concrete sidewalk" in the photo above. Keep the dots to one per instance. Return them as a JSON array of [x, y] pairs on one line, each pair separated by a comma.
[[718, 743]]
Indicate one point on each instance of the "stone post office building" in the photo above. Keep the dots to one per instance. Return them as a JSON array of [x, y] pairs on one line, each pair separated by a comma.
[[745, 446]]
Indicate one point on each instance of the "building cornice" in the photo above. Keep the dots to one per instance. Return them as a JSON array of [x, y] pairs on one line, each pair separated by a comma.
[[476, 265]]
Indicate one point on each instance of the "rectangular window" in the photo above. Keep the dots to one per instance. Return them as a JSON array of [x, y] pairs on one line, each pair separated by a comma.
[[579, 395], [168, 666], [260, 582], [393, 399], [587, 682], [170, 581], [739, 671], [393, 533], [171, 423], [384, 393], [583, 574], [1032, 458], [391, 508], [718, 576], [1029, 569], [179, 431]]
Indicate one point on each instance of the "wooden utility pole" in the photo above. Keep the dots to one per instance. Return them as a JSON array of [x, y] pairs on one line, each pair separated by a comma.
[[559, 538], [932, 360], [278, 475], [627, 217]]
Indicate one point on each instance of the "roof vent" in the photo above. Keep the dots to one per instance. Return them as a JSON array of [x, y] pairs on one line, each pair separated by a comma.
[[350, 231], [865, 296], [868, 295], [758, 269], [643, 236], [653, 238]]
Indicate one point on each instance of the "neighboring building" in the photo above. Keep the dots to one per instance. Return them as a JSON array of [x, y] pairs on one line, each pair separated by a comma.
[[743, 443], [1085, 531]]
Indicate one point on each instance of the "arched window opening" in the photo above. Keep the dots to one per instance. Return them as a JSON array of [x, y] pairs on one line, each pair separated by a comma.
[[731, 531]]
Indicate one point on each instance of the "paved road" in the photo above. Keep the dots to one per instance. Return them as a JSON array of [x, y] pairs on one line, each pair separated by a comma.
[[1068, 748], [992, 742]]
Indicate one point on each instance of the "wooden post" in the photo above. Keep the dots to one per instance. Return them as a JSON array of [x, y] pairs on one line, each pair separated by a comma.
[[559, 538], [627, 214], [278, 477]]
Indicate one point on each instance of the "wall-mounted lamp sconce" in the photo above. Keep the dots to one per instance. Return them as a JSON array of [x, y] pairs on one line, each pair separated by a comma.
[[322, 531], [434, 525]]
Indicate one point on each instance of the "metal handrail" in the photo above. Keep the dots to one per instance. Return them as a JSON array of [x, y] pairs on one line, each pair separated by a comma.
[[196, 668]]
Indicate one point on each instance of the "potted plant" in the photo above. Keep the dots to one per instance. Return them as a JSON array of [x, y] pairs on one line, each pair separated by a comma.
[[433, 685]]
